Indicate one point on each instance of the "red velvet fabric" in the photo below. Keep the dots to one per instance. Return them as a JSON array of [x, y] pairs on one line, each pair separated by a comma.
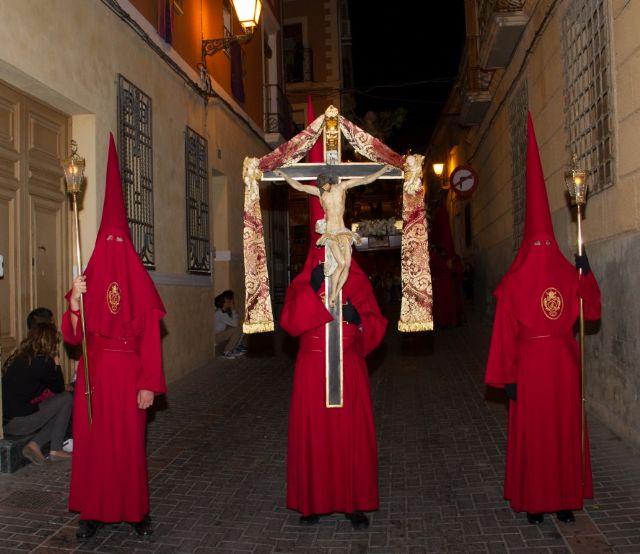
[[533, 345], [109, 468]]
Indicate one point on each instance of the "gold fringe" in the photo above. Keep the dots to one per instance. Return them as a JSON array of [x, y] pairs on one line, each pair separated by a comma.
[[250, 328], [415, 327]]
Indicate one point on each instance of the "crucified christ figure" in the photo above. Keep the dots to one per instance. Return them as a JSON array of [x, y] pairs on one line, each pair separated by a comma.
[[336, 238]]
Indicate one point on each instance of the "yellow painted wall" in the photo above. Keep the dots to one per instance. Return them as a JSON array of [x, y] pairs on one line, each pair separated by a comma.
[[78, 77]]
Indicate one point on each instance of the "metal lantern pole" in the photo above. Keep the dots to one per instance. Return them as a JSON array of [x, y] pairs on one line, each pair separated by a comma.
[[575, 180], [74, 178]]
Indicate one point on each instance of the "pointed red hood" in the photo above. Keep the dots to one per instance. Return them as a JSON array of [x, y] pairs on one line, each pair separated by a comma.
[[315, 155], [114, 215], [539, 263], [537, 223], [538, 227], [119, 288]]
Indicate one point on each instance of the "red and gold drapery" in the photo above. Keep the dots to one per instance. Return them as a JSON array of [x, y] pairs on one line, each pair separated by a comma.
[[416, 306]]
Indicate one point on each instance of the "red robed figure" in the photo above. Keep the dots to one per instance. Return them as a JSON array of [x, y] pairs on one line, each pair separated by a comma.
[[446, 271], [533, 345], [332, 462], [123, 311]]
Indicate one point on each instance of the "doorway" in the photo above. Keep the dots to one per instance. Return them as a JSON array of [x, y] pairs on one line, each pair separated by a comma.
[[34, 213]]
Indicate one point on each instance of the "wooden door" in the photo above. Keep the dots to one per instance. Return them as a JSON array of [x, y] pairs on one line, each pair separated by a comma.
[[34, 220], [11, 185], [45, 147]]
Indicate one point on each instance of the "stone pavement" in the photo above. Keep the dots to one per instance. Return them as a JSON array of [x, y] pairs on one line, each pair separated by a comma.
[[217, 450]]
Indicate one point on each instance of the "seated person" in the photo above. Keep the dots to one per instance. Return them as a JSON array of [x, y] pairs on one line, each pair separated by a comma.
[[228, 326], [27, 373], [45, 315]]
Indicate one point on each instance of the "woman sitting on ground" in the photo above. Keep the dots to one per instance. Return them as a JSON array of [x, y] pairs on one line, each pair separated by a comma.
[[27, 407]]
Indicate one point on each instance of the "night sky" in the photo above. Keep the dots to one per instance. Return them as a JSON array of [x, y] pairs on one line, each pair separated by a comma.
[[406, 57]]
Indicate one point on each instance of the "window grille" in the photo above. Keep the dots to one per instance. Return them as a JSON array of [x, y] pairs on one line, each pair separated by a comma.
[[587, 90], [136, 166], [197, 194], [518, 109]]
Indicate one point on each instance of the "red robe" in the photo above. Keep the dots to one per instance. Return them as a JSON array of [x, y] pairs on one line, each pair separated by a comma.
[[332, 462], [533, 345], [122, 312], [446, 282], [109, 465]]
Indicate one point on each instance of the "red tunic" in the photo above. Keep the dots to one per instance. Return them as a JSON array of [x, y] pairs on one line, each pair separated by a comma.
[[109, 464], [533, 345], [332, 463], [122, 318]]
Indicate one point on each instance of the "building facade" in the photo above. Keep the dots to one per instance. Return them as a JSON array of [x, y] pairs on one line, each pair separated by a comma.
[[574, 66], [183, 122]]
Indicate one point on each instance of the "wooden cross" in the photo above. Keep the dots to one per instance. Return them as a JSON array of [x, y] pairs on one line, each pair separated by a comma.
[[310, 172]]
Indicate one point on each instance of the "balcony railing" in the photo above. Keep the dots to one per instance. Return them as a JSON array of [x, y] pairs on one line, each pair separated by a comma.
[[475, 86], [278, 116], [298, 65], [500, 25], [488, 9]]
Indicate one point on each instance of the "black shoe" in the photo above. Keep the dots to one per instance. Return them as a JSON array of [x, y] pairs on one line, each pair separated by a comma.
[[358, 520], [311, 519], [87, 528], [566, 516], [535, 519], [143, 528]]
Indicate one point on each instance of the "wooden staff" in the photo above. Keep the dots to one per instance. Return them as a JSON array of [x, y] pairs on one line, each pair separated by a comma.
[[74, 177], [575, 180]]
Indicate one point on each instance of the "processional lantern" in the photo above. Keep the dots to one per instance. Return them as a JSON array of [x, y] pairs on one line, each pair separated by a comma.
[[576, 181], [74, 170], [74, 178]]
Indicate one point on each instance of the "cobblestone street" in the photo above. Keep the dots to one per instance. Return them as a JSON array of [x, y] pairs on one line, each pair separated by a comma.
[[217, 450]]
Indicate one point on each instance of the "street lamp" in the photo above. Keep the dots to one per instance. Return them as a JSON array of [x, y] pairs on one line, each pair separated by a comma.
[[438, 169], [248, 12], [576, 180], [74, 178]]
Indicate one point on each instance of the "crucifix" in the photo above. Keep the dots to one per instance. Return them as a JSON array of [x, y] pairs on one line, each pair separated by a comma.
[[337, 240]]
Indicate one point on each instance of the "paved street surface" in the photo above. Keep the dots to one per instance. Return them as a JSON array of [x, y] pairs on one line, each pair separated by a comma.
[[217, 450]]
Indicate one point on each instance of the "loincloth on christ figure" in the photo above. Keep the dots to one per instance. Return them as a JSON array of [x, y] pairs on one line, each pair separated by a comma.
[[344, 238]]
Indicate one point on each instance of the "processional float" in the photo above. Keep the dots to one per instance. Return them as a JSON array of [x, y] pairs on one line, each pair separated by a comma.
[[416, 303]]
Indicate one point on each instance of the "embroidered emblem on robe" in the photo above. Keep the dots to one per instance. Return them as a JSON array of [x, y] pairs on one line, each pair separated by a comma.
[[113, 298], [552, 303]]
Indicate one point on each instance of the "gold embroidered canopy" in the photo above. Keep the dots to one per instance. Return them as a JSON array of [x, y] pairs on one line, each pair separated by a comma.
[[416, 306]]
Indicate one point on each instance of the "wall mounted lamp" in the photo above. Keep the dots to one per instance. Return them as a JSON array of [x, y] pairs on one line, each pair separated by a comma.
[[438, 169], [248, 12]]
